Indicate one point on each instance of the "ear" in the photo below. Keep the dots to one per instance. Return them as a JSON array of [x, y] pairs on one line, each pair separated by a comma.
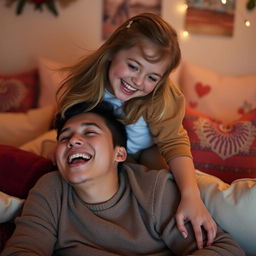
[[121, 154]]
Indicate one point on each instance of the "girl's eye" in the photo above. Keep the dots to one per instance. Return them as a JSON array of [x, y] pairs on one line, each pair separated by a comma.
[[153, 79], [132, 67]]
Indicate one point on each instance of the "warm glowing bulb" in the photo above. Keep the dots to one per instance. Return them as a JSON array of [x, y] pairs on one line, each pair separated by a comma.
[[223, 1], [247, 23], [185, 33], [182, 8]]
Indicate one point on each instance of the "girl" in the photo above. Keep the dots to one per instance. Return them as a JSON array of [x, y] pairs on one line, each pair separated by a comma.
[[131, 70]]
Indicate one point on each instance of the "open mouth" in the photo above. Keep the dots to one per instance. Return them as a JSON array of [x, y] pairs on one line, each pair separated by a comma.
[[128, 88], [78, 158]]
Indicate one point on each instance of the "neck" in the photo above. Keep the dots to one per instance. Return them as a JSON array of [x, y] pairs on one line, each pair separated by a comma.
[[100, 191]]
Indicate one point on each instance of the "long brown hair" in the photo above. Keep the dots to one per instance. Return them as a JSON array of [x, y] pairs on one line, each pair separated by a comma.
[[88, 78]]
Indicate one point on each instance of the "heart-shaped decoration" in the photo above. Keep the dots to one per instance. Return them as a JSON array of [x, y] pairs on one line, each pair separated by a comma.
[[201, 89]]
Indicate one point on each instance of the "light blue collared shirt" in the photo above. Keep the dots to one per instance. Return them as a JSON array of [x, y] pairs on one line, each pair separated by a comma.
[[139, 135]]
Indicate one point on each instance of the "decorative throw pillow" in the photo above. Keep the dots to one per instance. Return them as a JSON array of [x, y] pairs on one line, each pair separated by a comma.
[[44, 145], [19, 128], [224, 98], [10, 207], [19, 92], [227, 151], [50, 80], [232, 206], [19, 170]]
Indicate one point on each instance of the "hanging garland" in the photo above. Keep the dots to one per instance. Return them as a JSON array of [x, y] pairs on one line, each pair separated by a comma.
[[38, 4]]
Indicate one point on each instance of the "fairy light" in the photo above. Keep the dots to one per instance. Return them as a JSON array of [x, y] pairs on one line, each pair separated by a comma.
[[185, 34], [247, 23], [182, 8]]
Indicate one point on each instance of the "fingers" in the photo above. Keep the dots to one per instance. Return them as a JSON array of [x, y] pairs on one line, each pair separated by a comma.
[[211, 229], [209, 226], [198, 234], [180, 224]]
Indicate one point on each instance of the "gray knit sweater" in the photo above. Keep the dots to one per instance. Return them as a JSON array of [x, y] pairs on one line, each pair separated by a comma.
[[138, 220]]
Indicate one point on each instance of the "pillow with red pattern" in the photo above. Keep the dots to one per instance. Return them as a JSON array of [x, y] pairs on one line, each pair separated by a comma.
[[19, 170], [222, 97], [19, 92], [227, 151]]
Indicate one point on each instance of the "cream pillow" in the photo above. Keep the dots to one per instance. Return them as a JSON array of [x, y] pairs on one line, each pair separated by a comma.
[[42, 145], [224, 98], [10, 207], [232, 206], [19, 128], [50, 80]]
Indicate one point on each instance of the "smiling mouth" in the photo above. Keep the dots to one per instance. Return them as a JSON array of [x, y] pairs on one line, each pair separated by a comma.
[[128, 88], [78, 157]]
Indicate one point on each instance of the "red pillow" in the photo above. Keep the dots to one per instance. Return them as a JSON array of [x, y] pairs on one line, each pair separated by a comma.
[[19, 92], [227, 151], [19, 170]]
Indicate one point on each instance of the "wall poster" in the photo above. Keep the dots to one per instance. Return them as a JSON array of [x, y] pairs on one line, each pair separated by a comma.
[[115, 12], [212, 17]]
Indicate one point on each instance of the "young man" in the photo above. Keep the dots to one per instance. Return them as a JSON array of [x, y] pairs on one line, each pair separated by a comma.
[[95, 205]]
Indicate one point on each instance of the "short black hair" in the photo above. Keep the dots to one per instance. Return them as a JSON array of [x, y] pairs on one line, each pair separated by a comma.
[[103, 109]]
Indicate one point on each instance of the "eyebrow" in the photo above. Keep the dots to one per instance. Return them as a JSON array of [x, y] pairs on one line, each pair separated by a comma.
[[83, 124]]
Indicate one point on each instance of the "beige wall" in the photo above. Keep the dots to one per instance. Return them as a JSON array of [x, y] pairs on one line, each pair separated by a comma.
[[77, 30]]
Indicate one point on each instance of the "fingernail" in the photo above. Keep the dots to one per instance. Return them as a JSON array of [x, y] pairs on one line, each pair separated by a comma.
[[184, 234]]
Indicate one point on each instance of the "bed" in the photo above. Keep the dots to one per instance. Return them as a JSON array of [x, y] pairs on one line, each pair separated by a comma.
[[220, 119]]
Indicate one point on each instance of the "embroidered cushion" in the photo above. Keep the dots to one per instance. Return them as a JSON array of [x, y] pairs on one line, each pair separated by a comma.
[[19, 92], [227, 151]]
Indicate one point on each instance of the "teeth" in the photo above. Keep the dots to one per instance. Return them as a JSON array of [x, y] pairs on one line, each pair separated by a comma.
[[78, 155], [129, 87]]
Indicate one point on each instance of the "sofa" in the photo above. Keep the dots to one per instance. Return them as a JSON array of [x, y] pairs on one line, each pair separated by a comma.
[[220, 119]]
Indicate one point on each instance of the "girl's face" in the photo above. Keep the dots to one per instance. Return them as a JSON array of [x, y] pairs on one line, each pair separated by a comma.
[[131, 75]]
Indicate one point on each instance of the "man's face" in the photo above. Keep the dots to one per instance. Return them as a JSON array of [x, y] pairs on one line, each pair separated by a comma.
[[85, 152]]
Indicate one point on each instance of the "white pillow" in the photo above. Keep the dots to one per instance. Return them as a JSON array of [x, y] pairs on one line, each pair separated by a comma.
[[232, 206], [42, 145], [222, 97], [19, 128], [50, 80], [9, 207]]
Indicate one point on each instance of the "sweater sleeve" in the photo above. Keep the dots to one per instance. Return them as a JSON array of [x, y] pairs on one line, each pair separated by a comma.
[[36, 228], [165, 204], [168, 133]]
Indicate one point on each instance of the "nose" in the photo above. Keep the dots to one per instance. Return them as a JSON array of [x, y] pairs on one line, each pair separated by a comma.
[[138, 79], [75, 141]]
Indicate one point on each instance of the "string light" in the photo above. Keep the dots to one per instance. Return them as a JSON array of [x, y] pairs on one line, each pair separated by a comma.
[[185, 34], [182, 8], [247, 23]]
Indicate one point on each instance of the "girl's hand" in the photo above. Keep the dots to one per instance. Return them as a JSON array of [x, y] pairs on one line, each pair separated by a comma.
[[193, 209]]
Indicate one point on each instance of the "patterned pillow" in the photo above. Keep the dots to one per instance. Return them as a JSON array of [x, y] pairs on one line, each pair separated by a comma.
[[225, 98], [19, 92], [227, 151]]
